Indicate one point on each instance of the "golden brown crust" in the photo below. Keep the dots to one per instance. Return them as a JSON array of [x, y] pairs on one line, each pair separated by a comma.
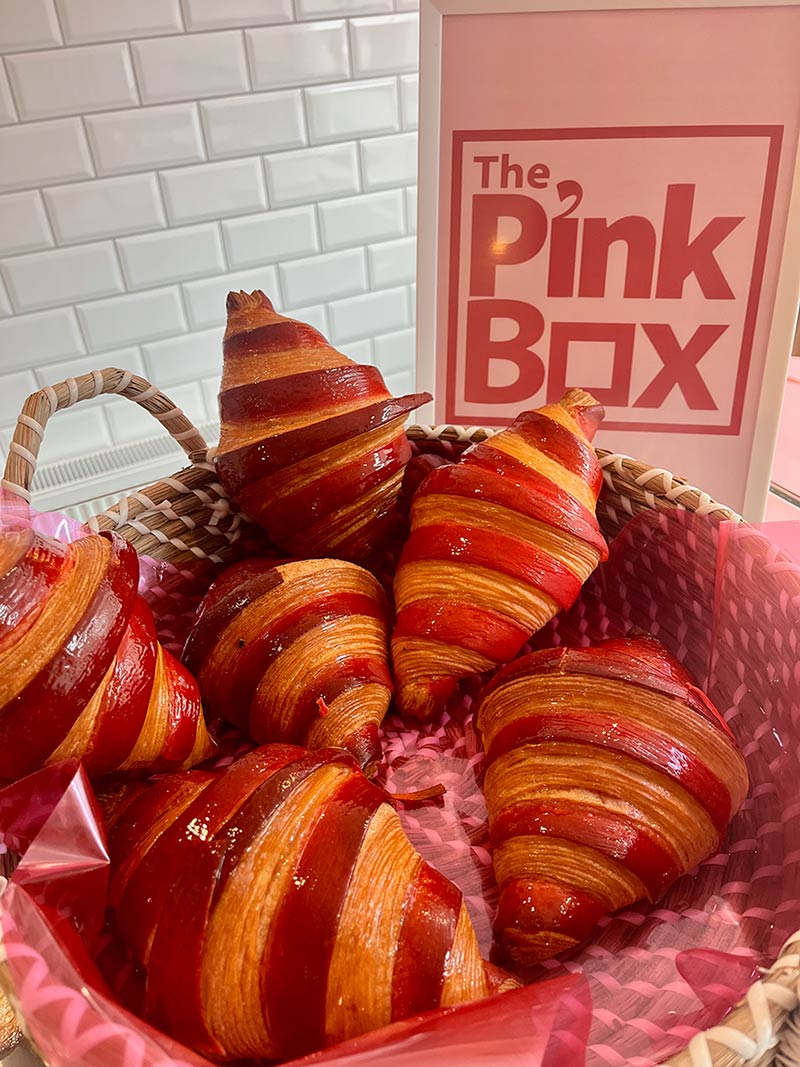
[[608, 777], [311, 443], [498, 545], [238, 933], [301, 657], [317, 920], [79, 656], [10, 1033], [59, 616]]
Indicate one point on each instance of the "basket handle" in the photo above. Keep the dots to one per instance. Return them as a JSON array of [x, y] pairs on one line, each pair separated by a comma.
[[37, 409]]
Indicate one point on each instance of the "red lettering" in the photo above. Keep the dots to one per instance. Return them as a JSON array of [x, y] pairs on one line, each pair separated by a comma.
[[681, 257], [538, 176], [620, 334], [569, 188], [639, 236], [488, 251], [508, 170], [680, 366], [481, 350], [563, 255], [486, 167]]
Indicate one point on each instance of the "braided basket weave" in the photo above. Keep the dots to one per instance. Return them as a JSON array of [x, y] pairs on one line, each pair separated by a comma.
[[187, 517]]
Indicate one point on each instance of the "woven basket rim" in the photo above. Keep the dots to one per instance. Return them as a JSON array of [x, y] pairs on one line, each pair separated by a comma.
[[149, 518]]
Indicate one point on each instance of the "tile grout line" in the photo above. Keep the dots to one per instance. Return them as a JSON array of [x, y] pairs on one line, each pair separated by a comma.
[[113, 109], [166, 283], [246, 56], [150, 165], [59, 24], [12, 95], [50, 223], [162, 202], [267, 186], [134, 71], [203, 139], [182, 280], [226, 259], [184, 303], [126, 35], [93, 163]]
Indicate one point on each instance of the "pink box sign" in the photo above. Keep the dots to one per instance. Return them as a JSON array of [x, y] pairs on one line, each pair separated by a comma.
[[605, 202]]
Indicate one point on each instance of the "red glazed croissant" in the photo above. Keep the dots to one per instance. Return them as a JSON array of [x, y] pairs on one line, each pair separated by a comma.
[[499, 543], [278, 907], [81, 670], [296, 652], [608, 775], [311, 444]]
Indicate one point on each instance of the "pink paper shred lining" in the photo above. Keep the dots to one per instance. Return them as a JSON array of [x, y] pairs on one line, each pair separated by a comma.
[[652, 977]]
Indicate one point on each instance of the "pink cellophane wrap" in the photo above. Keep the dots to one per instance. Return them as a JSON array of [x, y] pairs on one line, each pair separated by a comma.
[[652, 977]]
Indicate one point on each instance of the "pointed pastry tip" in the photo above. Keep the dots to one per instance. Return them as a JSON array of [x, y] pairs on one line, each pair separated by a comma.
[[423, 700], [242, 301], [587, 411]]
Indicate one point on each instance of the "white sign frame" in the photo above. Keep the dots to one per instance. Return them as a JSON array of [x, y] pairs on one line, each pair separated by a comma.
[[787, 297]]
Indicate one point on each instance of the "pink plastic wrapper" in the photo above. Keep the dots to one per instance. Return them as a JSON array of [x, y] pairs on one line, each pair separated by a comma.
[[652, 977]]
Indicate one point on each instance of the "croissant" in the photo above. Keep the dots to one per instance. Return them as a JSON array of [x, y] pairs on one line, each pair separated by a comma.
[[499, 543], [81, 670], [608, 776], [296, 652], [10, 1033], [278, 907], [311, 444]]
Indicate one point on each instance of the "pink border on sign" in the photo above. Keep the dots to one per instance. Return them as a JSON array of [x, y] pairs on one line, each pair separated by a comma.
[[773, 133]]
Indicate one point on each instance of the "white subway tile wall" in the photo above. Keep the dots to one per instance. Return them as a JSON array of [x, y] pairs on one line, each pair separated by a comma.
[[62, 276], [275, 236], [170, 256], [392, 262], [40, 339], [312, 174], [213, 14], [337, 274], [260, 122], [180, 68], [112, 20], [298, 54], [385, 44], [360, 219], [28, 24], [41, 153], [149, 137], [213, 190], [389, 161], [23, 223], [369, 314], [144, 316], [69, 80], [106, 207], [155, 155], [357, 109], [8, 112]]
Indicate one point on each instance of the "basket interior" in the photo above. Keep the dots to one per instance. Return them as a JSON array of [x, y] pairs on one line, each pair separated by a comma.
[[659, 972], [726, 603]]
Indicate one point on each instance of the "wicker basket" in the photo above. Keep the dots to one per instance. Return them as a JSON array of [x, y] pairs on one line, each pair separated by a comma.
[[188, 517]]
